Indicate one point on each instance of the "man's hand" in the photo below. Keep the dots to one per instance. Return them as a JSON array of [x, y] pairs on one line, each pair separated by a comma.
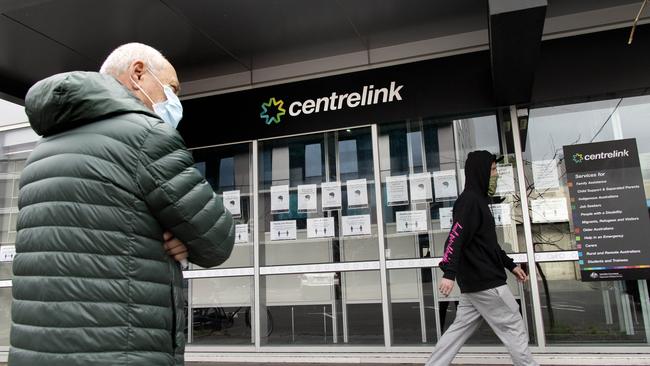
[[520, 274], [174, 247], [446, 285]]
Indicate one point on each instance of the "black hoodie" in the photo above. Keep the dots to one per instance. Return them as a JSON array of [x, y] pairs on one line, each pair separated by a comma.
[[472, 255]]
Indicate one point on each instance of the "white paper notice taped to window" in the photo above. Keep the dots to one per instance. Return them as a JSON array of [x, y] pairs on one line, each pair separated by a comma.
[[241, 234], [397, 191], [444, 184], [549, 210], [279, 198], [331, 195], [410, 221], [356, 225], [420, 185], [357, 193], [7, 253], [307, 198], [321, 227], [545, 174], [502, 214], [283, 230], [446, 217], [506, 180], [231, 200]]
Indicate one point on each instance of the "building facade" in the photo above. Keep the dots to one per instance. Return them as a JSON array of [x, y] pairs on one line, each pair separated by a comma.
[[342, 188]]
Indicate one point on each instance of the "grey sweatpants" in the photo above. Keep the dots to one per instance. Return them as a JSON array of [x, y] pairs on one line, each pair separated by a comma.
[[499, 308]]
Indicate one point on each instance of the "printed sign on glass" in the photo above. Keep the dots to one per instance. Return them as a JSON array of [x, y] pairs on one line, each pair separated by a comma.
[[280, 199]]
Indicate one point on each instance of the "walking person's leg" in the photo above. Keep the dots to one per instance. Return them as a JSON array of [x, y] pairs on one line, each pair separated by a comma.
[[466, 322], [501, 311]]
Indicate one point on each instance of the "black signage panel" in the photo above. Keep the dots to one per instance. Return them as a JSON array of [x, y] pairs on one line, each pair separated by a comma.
[[610, 217], [451, 86]]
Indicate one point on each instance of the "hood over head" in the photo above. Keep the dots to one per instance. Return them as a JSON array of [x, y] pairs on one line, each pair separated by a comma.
[[65, 101], [477, 171]]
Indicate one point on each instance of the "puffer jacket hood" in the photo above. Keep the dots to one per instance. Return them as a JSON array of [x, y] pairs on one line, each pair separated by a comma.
[[71, 99], [477, 171]]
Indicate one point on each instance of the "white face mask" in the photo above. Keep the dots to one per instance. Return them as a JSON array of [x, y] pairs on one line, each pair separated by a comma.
[[169, 110]]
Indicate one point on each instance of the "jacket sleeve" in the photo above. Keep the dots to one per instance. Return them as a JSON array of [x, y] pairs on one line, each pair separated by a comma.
[[508, 263], [181, 199], [466, 220]]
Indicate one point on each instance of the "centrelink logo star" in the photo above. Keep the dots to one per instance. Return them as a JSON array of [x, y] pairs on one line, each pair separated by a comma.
[[272, 111], [578, 158]]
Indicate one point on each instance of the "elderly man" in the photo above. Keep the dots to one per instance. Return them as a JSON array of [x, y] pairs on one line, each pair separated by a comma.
[[109, 203]]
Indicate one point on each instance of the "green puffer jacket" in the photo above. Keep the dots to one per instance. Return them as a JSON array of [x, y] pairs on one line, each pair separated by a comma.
[[92, 282]]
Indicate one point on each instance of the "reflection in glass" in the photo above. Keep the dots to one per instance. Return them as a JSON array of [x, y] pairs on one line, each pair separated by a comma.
[[322, 308], [221, 310], [338, 156], [412, 306], [5, 316], [576, 312], [438, 147]]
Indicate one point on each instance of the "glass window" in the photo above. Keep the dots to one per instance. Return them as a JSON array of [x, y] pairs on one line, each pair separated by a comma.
[[5, 316], [293, 172], [322, 308], [228, 170], [575, 311], [221, 310], [432, 153], [439, 149], [15, 146]]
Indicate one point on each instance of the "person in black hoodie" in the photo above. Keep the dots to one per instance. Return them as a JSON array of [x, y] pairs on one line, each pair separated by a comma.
[[474, 259]]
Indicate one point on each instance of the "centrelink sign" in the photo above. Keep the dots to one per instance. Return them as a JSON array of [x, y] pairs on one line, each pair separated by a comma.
[[274, 109], [578, 158], [601, 156]]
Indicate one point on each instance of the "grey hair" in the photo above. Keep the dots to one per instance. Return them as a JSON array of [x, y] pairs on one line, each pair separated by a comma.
[[122, 57]]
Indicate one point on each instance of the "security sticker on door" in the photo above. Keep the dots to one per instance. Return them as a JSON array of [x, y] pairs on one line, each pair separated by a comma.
[[7, 253]]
